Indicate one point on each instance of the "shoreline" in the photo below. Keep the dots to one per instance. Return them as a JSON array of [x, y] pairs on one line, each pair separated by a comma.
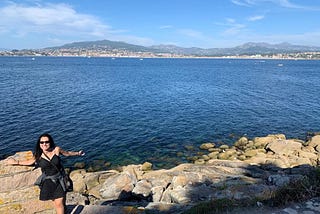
[[271, 165], [188, 154], [175, 57]]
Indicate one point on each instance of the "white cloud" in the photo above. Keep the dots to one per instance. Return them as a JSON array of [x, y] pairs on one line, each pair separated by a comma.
[[166, 27], [230, 20], [281, 3], [234, 30], [49, 18], [241, 2], [255, 18], [57, 23], [232, 27], [191, 33]]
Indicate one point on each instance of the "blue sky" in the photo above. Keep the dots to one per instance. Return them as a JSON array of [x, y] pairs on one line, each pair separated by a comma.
[[186, 23]]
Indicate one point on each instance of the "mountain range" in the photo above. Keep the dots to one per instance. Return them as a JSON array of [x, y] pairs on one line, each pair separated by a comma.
[[249, 48]]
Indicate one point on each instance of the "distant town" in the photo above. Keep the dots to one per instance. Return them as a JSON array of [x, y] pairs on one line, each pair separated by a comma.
[[124, 53], [106, 48]]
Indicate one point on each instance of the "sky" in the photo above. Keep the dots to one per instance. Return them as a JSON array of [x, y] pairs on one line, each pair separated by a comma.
[[32, 24]]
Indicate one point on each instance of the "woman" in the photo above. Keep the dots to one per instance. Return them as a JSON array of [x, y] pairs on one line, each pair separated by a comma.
[[46, 155]]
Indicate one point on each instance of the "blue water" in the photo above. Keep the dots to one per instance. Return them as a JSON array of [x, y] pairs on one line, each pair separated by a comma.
[[130, 111]]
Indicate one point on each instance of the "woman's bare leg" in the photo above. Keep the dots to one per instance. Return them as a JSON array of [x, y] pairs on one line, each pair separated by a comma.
[[59, 205]]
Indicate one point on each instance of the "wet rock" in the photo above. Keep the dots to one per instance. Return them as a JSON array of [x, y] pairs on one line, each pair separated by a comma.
[[146, 166], [206, 146], [241, 143]]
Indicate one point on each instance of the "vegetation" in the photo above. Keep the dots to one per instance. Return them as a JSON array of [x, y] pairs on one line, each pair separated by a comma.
[[297, 191]]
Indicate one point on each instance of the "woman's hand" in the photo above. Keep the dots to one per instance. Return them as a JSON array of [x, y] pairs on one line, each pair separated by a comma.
[[69, 153], [81, 153]]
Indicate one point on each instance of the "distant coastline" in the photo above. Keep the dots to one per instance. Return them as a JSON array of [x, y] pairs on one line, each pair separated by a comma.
[[113, 49], [299, 56]]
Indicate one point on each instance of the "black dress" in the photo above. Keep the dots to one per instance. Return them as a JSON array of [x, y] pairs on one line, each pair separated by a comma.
[[51, 190]]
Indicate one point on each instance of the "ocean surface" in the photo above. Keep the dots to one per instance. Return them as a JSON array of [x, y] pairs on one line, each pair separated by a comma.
[[129, 110]]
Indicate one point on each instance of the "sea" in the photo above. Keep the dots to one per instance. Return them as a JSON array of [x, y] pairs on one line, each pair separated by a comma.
[[129, 110]]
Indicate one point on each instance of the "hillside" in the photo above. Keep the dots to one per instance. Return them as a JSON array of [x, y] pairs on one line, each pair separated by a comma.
[[247, 48], [103, 45]]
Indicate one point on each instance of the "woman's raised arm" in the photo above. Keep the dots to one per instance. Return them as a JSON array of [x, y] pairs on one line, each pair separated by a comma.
[[70, 153]]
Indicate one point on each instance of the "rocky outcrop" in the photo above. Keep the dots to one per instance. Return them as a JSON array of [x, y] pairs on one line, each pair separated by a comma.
[[17, 191], [250, 169]]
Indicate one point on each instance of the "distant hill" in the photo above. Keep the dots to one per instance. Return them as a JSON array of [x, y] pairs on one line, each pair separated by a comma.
[[249, 48], [103, 44]]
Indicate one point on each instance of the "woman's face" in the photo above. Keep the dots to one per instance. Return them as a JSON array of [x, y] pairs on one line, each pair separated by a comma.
[[44, 143]]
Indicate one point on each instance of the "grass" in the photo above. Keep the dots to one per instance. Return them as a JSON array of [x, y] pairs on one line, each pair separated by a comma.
[[297, 191], [218, 206]]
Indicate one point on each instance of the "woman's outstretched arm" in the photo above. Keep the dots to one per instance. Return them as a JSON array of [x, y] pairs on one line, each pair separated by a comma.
[[70, 153], [12, 161]]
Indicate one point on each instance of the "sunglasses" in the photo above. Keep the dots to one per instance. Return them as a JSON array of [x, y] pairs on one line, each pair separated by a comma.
[[44, 142]]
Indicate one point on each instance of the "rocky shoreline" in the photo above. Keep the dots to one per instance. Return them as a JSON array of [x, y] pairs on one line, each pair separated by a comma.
[[249, 170]]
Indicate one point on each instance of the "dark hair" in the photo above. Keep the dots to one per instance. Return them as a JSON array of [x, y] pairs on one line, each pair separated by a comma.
[[38, 150]]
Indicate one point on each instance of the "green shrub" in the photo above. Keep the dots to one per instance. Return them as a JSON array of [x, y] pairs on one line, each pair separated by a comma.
[[298, 191]]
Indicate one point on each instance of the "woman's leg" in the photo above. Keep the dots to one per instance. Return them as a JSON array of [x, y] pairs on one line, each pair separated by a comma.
[[59, 205]]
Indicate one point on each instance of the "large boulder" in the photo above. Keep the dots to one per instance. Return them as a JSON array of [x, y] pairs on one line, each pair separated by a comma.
[[314, 141], [261, 142], [17, 189], [284, 147], [119, 186]]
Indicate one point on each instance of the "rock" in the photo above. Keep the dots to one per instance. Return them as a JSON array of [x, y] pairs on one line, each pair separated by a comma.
[[205, 157], [17, 191], [157, 192], [263, 171], [224, 147], [300, 161], [146, 166], [189, 147], [223, 156], [251, 153], [179, 195], [317, 148], [166, 208], [261, 142], [80, 165], [242, 157], [278, 180], [304, 154], [180, 180], [315, 141], [241, 143], [213, 155], [118, 186], [227, 155], [200, 161], [143, 188], [284, 147], [76, 199], [254, 153], [77, 178], [206, 146], [279, 162]]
